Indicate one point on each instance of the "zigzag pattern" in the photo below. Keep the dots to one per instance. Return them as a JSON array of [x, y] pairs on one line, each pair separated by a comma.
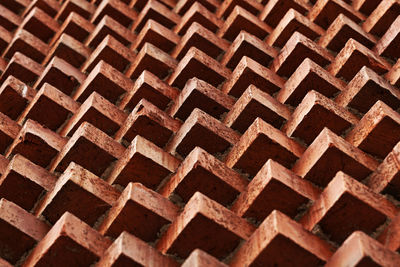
[[199, 133]]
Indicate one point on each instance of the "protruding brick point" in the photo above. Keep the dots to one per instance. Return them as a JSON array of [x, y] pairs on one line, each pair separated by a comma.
[[278, 232]]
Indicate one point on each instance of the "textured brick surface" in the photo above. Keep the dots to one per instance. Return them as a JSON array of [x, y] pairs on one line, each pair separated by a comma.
[[199, 133]]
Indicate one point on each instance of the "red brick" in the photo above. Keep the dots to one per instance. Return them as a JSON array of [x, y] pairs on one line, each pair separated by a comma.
[[24, 182], [377, 132], [61, 75], [393, 76], [68, 49], [353, 57], [260, 143], [51, 7], [20, 231], [40, 24], [329, 154], [156, 34], [183, 5], [130, 250], [192, 132], [251, 6], [22, 68], [197, 64], [158, 12], [9, 20], [76, 190], [201, 172], [139, 211], [198, 13], [201, 258], [382, 17], [5, 38], [248, 45], [203, 39], [315, 113], [97, 111], [140, 4], [249, 72], [153, 59], [339, 32], [5, 263], [241, 19], [149, 122], [360, 249], [390, 236], [274, 10], [8, 131], [85, 245], [111, 51], [81, 7], [344, 197], [14, 97], [390, 41], [106, 81], [324, 12], [143, 162], [278, 232], [206, 225], [255, 103], [116, 10], [365, 89], [293, 21], [37, 143], [365, 6], [27, 44], [3, 164], [296, 49], [75, 26], [90, 148], [385, 179], [148, 86], [199, 94], [274, 188], [109, 26], [49, 98]]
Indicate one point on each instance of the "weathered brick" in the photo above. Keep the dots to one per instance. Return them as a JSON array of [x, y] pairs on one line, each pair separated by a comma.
[[149, 122], [260, 143], [271, 189], [201, 95], [23, 182], [279, 232], [329, 154], [20, 231], [197, 125], [344, 197], [143, 162], [206, 225], [74, 191], [85, 245], [90, 148], [201, 172], [129, 250], [253, 104], [377, 132], [313, 114], [140, 212]]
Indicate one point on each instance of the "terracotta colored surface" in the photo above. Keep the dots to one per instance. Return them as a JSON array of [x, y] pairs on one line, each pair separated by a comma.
[[139, 211], [199, 133]]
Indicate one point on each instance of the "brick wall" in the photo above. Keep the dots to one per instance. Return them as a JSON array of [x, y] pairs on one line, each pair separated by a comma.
[[199, 133]]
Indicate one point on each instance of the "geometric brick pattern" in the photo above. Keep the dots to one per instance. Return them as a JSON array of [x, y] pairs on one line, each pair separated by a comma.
[[199, 133]]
